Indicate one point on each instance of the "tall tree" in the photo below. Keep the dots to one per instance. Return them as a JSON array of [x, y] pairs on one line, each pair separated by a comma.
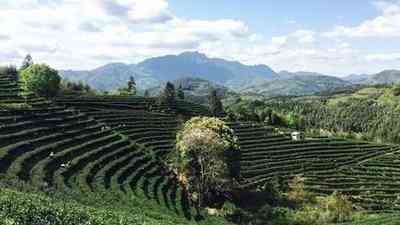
[[28, 61], [132, 86], [180, 94], [205, 148], [216, 106], [168, 96]]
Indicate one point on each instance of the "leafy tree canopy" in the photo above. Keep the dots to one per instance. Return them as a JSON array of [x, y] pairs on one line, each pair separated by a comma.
[[203, 146], [41, 80]]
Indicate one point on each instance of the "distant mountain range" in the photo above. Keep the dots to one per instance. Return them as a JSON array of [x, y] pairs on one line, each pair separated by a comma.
[[194, 68], [154, 71], [299, 83], [384, 77]]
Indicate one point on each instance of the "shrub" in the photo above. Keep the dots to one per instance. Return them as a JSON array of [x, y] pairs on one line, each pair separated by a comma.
[[295, 121], [335, 208], [339, 207], [396, 89], [297, 193]]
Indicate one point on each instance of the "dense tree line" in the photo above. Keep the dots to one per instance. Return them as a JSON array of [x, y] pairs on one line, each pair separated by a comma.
[[263, 112], [375, 121]]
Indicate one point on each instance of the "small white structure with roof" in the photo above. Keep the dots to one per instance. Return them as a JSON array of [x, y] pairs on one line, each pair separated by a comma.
[[297, 136]]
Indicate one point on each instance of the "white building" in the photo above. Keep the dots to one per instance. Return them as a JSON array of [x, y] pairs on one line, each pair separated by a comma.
[[297, 136]]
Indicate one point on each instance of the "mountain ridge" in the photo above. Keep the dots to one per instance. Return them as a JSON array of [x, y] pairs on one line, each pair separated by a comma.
[[154, 72]]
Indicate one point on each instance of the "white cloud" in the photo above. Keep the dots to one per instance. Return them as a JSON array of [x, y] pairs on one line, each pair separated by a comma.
[[304, 36], [64, 32], [83, 34], [385, 25], [135, 11], [4, 37], [383, 57], [279, 40]]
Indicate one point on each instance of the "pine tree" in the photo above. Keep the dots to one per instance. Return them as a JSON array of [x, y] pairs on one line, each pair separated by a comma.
[[28, 61], [132, 85], [180, 94], [168, 96], [216, 106]]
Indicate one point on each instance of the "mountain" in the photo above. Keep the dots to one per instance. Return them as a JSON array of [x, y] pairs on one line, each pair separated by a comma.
[[154, 71], [111, 76], [356, 78], [299, 83], [194, 64], [384, 77]]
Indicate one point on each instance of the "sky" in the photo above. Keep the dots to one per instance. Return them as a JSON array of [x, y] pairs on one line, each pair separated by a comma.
[[338, 37]]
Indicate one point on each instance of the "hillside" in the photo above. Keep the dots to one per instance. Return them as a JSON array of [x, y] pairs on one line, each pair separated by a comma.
[[384, 77], [105, 155], [297, 85]]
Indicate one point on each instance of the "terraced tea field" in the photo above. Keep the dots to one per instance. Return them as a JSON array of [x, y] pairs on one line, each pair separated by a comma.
[[11, 93], [132, 103], [117, 144], [366, 171], [68, 149]]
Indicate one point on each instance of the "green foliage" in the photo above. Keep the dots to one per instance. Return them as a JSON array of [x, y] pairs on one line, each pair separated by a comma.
[[14, 106], [396, 89], [25, 208], [41, 80], [130, 88], [75, 88], [203, 147], [295, 121], [255, 110], [265, 215], [297, 192], [275, 119], [366, 116], [334, 208]]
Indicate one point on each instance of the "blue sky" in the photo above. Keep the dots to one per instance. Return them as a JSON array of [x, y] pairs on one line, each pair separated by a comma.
[[332, 37], [273, 17]]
